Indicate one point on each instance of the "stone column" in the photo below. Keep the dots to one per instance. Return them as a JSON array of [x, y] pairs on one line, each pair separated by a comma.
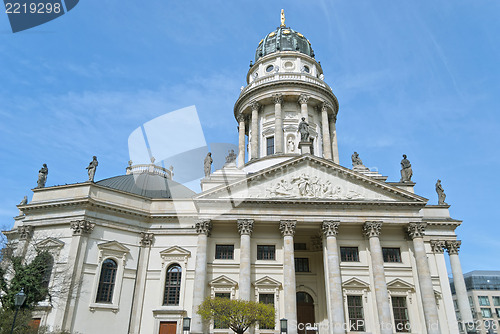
[[278, 124], [325, 128], [203, 228], [453, 247], [416, 232], [334, 284], [254, 140], [140, 282], [437, 247], [245, 226], [81, 231], [333, 137], [241, 140], [287, 228], [303, 99], [372, 231]]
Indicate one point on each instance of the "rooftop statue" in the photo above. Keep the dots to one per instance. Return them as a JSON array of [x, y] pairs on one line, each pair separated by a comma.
[[91, 168], [207, 164], [231, 157], [24, 201], [406, 171], [42, 176], [304, 130], [356, 160], [441, 194]]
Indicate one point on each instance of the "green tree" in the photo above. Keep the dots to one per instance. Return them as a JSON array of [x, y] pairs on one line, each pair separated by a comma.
[[237, 314]]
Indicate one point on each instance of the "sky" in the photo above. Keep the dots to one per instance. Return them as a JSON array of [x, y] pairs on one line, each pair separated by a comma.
[[420, 78]]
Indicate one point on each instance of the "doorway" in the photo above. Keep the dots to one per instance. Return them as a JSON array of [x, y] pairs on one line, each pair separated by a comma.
[[168, 327], [305, 313]]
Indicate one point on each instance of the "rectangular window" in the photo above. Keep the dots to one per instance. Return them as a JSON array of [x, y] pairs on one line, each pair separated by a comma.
[[224, 252], [486, 312], [471, 302], [498, 312], [270, 145], [355, 311], [391, 254], [300, 246], [483, 300], [301, 264], [266, 252], [401, 319], [221, 324], [349, 254], [266, 298], [496, 300]]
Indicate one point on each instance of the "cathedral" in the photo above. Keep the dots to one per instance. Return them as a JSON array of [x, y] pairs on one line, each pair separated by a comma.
[[334, 248]]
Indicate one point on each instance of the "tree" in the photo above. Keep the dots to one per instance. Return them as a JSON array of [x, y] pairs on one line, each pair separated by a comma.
[[237, 314]]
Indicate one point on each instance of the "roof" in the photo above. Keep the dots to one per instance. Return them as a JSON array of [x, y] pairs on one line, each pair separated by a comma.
[[148, 185], [283, 39], [480, 280]]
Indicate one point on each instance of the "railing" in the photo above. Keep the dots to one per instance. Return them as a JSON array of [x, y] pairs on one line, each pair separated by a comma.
[[285, 76], [150, 168]]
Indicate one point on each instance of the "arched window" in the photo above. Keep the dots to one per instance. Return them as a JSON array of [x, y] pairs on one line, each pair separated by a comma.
[[106, 282], [172, 285]]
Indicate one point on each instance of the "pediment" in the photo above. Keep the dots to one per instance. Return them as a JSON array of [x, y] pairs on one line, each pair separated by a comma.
[[399, 284], [223, 280], [113, 246], [311, 178], [50, 243], [267, 281], [355, 283], [175, 251]]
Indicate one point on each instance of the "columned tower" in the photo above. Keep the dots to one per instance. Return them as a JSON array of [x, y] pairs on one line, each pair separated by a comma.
[[285, 84]]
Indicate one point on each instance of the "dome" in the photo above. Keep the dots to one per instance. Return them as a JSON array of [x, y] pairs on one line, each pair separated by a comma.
[[148, 185], [283, 39]]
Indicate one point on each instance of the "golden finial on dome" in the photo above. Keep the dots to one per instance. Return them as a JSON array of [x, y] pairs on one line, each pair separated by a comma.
[[282, 17]]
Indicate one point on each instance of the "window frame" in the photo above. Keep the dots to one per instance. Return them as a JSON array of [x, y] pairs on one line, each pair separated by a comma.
[[348, 314], [273, 252], [306, 261], [351, 248], [268, 147], [224, 245], [172, 287], [396, 321], [103, 297], [483, 309], [496, 300], [170, 256], [481, 299], [388, 259]]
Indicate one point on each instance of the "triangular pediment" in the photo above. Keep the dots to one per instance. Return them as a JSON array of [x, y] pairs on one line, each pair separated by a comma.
[[399, 284], [355, 283], [50, 243], [311, 178], [223, 280], [267, 281], [175, 251], [113, 246]]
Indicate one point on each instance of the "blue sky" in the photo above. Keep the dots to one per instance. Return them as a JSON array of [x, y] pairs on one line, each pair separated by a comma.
[[420, 78]]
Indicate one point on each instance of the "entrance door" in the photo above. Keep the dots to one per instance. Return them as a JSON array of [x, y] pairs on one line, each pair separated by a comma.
[[168, 327], [305, 313]]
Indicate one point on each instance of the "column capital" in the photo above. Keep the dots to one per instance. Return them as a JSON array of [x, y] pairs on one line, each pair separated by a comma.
[[303, 99], [278, 98], [330, 228], [81, 227], [25, 232], [255, 105], [416, 230], [453, 246], [372, 229], [146, 239], [287, 227], [245, 226], [325, 106], [438, 246], [333, 117], [204, 226], [241, 118]]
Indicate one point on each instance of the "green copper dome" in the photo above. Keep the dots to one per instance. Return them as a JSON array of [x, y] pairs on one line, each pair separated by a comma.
[[283, 39]]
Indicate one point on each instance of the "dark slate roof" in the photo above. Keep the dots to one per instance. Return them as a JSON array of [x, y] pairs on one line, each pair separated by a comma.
[[480, 280], [283, 39], [148, 185]]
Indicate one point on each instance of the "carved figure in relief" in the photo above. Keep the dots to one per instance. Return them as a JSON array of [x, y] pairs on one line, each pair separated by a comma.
[[291, 145]]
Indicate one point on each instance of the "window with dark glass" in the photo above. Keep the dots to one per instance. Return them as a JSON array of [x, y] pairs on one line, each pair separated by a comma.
[[391, 254], [483, 300], [269, 68], [300, 246], [355, 311], [266, 252], [224, 252], [486, 312], [498, 312], [401, 319], [270, 145], [349, 254], [221, 324], [172, 292], [106, 281], [306, 69], [301, 264], [266, 298], [496, 300]]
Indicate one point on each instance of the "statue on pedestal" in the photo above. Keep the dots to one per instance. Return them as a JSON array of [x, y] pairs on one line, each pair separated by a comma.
[[441, 194], [207, 164], [42, 176], [356, 160], [231, 158], [406, 171], [91, 168], [304, 130], [24, 201]]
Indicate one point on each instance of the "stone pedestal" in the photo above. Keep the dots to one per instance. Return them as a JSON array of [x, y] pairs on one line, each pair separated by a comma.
[[305, 147]]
